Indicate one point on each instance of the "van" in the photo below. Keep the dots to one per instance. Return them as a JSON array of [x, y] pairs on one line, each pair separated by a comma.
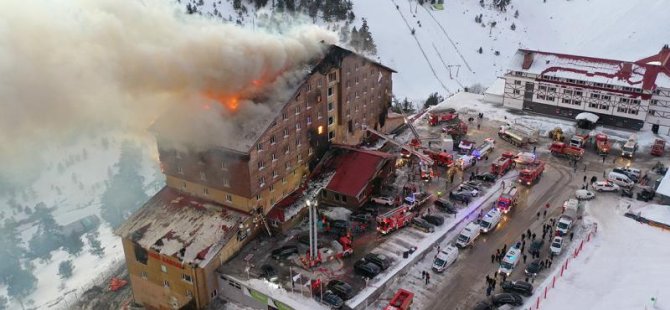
[[445, 258], [510, 261], [466, 161], [468, 235], [490, 220], [620, 179]]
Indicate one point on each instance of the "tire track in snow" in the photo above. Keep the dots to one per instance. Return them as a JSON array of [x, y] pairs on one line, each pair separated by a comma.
[[425, 56], [449, 38]]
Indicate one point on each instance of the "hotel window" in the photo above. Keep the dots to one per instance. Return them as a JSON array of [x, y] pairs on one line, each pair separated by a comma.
[[166, 284], [517, 92], [226, 182], [258, 197], [285, 132], [274, 157], [143, 274], [273, 140], [229, 197], [595, 96], [284, 116], [309, 120], [298, 126], [330, 120], [624, 100], [203, 176], [567, 92], [318, 98], [517, 82], [283, 180], [272, 189], [224, 166], [319, 115], [549, 98], [261, 181], [186, 278], [298, 141], [567, 101], [606, 98], [180, 170], [593, 105], [578, 93], [261, 165], [542, 87], [205, 191], [332, 77], [287, 149], [164, 268], [654, 102], [299, 157], [604, 107], [330, 106], [189, 293], [297, 109], [633, 111], [274, 174], [259, 146], [287, 165], [576, 102]]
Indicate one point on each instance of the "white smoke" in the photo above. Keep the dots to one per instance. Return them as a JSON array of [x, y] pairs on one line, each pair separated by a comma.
[[69, 66]]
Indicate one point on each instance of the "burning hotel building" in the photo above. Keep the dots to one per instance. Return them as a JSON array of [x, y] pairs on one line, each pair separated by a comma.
[[215, 195]]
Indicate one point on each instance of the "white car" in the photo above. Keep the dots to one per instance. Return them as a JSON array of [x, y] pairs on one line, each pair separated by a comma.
[[583, 194], [604, 186], [388, 201], [525, 158], [556, 245]]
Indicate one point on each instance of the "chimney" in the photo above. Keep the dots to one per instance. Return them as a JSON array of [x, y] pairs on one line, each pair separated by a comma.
[[527, 60]]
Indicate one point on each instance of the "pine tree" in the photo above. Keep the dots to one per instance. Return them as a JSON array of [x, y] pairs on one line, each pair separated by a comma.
[[48, 236], [368, 43], [95, 245], [73, 244], [237, 4], [355, 41], [513, 27], [480, 50], [65, 269], [516, 14]]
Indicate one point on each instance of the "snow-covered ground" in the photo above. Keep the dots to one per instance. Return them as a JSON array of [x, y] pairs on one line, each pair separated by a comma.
[[654, 212], [623, 267]]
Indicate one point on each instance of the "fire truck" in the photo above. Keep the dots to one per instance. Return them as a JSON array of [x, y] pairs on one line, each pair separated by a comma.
[[439, 117], [394, 219], [459, 128], [511, 136], [465, 147], [417, 199], [507, 199], [503, 164], [484, 149], [402, 300], [603, 144], [443, 159], [561, 149], [531, 173], [658, 148]]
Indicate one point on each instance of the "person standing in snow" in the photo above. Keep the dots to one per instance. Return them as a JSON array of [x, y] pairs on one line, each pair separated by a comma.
[[493, 258]]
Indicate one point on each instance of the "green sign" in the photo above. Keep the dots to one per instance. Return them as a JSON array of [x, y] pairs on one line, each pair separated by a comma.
[[282, 306], [259, 296]]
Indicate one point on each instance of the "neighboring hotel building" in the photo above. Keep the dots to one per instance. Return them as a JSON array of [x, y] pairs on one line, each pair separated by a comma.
[[214, 199], [623, 94]]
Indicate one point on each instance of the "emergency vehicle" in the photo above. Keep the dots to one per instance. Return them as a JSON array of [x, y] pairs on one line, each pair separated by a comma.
[[394, 219]]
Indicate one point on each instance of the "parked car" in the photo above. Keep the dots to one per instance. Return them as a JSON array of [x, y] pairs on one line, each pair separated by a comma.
[[434, 219], [524, 158], [646, 195], [605, 186], [366, 268], [556, 245], [464, 188], [285, 251], [627, 192], [341, 288], [533, 268], [379, 259], [486, 177], [423, 225], [331, 299], [268, 273], [501, 299], [519, 287], [372, 209], [536, 246], [383, 200], [446, 206], [628, 173], [460, 196], [484, 305], [583, 194], [361, 216]]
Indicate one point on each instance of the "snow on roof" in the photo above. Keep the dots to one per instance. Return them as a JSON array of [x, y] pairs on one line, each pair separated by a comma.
[[356, 168], [664, 186], [663, 80], [599, 70], [656, 213], [497, 88], [587, 116], [174, 224]]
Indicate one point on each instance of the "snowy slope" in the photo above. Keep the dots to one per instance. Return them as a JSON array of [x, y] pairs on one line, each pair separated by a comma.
[[624, 268]]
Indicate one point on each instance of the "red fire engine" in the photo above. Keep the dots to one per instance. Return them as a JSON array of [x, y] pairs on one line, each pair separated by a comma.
[[563, 150], [402, 300], [658, 148], [602, 144], [443, 159], [507, 199], [531, 173], [394, 219], [503, 164], [437, 118]]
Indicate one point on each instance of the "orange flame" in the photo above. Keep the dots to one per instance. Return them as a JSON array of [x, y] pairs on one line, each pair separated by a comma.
[[231, 102]]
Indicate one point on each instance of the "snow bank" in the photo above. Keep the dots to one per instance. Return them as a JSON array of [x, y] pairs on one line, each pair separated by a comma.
[[655, 212]]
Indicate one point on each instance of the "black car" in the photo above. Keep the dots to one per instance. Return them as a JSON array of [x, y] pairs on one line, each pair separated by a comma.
[[501, 299], [366, 268], [533, 268], [460, 196], [361, 217], [379, 259], [331, 299], [446, 206], [646, 195], [341, 288], [536, 246], [519, 287], [484, 305], [422, 225], [285, 251], [486, 177], [268, 273], [434, 219]]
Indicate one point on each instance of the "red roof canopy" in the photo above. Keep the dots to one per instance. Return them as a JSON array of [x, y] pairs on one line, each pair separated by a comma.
[[354, 170]]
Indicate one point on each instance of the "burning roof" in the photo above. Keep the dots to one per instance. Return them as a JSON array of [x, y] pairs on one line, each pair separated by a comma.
[[190, 229]]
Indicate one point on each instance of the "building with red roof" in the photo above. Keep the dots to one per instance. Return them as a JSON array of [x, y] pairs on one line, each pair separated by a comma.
[[357, 173], [626, 94]]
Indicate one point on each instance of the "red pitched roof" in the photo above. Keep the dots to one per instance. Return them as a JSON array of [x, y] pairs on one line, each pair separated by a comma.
[[354, 170]]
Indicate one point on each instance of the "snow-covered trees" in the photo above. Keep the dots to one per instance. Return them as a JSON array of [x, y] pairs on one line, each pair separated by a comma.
[[48, 236], [361, 40], [433, 99], [125, 192], [65, 269]]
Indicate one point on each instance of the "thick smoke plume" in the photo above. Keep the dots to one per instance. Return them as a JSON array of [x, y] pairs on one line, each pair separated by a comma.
[[70, 66]]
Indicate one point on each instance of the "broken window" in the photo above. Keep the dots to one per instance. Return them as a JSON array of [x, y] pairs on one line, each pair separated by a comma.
[[141, 255]]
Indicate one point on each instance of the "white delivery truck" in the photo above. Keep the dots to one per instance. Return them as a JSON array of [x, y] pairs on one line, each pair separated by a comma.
[[568, 218], [629, 147], [490, 220], [510, 261], [468, 235], [445, 258]]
